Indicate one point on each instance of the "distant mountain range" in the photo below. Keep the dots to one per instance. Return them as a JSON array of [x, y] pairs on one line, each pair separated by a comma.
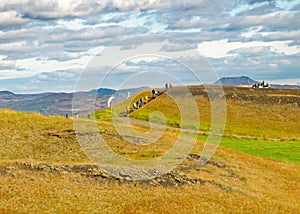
[[61, 103], [246, 81]]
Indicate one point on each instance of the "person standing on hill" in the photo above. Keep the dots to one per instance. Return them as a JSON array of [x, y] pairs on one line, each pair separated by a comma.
[[146, 99], [166, 85], [89, 115], [153, 93], [127, 110], [141, 101], [170, 85]]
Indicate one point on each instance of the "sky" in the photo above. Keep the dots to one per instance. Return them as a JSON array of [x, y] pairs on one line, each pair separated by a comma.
[[66, 45]]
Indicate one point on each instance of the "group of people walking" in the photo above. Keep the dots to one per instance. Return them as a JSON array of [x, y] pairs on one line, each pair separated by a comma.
[[137, 104], [144, 100], [140, 102]]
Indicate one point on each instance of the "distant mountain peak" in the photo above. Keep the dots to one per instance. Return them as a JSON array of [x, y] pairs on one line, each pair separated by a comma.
[[6, 93], [235, 81]]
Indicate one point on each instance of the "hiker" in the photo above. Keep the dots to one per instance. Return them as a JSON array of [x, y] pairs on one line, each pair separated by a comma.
[[128, 94], [67, 115], [134, 106], [166, 85], [76, 116], [137, 104], [170, 85], [142, 101], [153, 93], [127, 110], [146, 99], [158, 93], [89, 115]]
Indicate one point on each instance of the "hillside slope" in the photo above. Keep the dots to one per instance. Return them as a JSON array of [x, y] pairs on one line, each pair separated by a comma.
[[42, 168], [266, 114]]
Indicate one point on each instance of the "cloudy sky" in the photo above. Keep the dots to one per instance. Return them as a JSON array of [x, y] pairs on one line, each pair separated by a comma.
[[47, 45]]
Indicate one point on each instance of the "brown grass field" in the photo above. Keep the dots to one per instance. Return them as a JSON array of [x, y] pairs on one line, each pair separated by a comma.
[[44, 170]]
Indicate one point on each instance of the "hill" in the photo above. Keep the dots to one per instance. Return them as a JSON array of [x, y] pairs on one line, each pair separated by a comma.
[[42, 166], [266, 113]]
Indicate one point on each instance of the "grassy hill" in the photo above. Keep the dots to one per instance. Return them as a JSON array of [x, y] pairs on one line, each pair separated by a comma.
[[43, 168], [266, 113]]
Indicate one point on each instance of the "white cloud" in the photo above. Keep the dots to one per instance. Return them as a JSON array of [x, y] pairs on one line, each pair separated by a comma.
[[7, 64], [38, 66], [58, 35], [54, 8], [137, 5], [282, 35], [80, 8], [276, 20], [285, 62], [221, 48], [18, 46], [10, 18], [273, 65], [10, 74]]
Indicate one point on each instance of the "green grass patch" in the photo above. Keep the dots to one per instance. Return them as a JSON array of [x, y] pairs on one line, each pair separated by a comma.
[[286, 151], [104, 115]]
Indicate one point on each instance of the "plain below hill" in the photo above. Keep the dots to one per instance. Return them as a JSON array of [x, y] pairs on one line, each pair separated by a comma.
[[61, 103]]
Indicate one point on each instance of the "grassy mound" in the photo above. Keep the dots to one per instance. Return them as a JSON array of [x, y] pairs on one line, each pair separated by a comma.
[[269, 113]]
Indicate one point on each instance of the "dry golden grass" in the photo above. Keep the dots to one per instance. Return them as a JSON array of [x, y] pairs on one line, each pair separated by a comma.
[[232, 185], [231, 182], [32, 136], [252, 114]]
